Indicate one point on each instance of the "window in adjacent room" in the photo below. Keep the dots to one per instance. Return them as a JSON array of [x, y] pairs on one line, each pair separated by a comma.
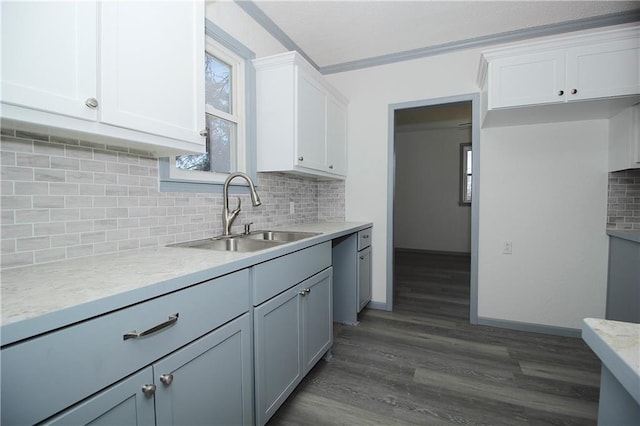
[[466, 173]]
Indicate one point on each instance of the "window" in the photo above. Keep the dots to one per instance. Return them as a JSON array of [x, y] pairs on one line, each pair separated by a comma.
[[466, 173], [224, 107], [230, 144]]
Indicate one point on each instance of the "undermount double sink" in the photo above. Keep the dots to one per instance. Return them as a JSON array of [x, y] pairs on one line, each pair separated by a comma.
[[254, 241]]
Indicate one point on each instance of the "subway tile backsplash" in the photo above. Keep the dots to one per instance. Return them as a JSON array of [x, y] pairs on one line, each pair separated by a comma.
[[623, 207], [65, 198]]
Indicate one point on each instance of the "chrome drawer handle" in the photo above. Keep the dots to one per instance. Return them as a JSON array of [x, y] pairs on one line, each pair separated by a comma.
[[135, 335], [305, 291]]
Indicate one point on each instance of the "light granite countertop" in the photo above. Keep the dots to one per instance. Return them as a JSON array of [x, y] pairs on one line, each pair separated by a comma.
[[41, 298], [617, 344]]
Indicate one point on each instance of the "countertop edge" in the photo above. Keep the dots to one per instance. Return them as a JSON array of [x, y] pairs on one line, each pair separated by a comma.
[[622, 371], [13, 332], [625, 235]]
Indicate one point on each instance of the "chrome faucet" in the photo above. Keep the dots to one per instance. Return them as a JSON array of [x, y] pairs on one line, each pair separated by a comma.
[[229, 216]]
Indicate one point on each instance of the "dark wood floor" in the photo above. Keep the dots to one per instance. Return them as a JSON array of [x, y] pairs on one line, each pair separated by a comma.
[[425, 364]]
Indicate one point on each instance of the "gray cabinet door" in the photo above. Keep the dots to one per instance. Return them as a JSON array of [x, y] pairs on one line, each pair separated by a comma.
[[122, 404], [210, 379], [278, 342], [364, 278], [317, 318]]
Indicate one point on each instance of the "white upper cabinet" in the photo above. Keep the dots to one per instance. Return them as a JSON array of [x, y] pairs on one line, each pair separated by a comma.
[[301, 119], [153, 67], [49, 56], [128, 72], [536, 82], [535, 78], [624, 139]]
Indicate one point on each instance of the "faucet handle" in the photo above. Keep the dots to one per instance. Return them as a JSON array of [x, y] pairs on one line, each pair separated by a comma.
[[247, 228], [237, 209]]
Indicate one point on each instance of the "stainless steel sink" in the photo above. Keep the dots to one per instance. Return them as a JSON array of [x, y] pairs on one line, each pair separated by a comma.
[[237, 244], [255, 241], [279, 236]]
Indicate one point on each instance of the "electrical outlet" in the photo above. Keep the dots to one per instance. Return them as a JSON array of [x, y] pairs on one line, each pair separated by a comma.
[[507, 247], [292, 207]]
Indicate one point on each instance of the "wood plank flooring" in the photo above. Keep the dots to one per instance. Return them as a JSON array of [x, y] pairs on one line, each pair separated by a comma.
[[424, 364]]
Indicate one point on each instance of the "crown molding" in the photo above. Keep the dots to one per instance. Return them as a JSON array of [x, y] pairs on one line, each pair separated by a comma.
[[506, 37]]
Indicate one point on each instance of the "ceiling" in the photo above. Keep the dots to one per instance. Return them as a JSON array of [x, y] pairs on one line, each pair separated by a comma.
[[332, 34]]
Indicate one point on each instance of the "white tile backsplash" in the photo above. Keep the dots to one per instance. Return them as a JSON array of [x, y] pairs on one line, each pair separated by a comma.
[[65, 198]]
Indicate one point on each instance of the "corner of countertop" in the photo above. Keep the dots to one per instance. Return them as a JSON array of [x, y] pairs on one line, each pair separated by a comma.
[[631, 235]]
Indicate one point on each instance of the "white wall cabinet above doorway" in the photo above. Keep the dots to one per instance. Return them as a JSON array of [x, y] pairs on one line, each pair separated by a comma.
[[570, 78]]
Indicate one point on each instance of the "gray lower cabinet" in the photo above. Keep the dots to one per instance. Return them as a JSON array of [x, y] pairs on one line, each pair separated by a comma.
[[94, 371], [364, 278], [351, 259], [122, 404], [293, 330], [208, 382]]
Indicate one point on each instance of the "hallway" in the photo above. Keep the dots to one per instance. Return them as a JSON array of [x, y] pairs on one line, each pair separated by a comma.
[[425, 364]]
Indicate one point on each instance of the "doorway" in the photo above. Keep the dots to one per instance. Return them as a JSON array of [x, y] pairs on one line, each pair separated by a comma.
[[434, 152]]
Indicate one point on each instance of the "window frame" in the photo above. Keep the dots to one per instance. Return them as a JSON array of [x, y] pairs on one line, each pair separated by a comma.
[[221, 45], [465, 200]]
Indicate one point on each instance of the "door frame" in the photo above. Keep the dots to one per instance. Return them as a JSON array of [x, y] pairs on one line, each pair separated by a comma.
[[475, 191]]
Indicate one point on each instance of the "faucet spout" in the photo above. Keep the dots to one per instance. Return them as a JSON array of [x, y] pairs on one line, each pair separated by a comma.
[[229, 216]]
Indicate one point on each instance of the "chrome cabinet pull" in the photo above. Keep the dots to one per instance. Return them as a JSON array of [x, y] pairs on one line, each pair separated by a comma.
[[574, 91], [135, 335], [91, 103], [331, 166], [560, 92], [301, 158], [204, 132], [305, 291], [166, 379], [149, 390]]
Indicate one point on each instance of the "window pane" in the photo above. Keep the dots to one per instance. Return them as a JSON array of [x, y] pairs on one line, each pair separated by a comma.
[[468, 189], [221, 149], [222, 143], [469, 161], [218, 84], [194, 162]]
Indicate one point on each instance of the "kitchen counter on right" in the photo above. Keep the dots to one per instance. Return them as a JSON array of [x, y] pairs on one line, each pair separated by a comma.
[[617, 344]]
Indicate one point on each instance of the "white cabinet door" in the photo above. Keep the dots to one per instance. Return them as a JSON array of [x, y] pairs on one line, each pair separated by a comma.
[[603, 70], [49, 56], [153, 67], [536, 78], [311, 131], [336, 137]]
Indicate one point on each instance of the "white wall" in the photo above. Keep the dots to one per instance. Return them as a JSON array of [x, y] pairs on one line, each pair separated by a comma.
[[427, 213], [580, 265], [370, 92], [544, 188]]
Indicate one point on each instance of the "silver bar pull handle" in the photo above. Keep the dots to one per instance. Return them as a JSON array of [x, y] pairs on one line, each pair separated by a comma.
[[135, 335]]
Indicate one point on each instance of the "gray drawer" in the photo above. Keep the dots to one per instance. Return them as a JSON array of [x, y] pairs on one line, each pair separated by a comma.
[[364, 239], [275, 276], [46, 374]]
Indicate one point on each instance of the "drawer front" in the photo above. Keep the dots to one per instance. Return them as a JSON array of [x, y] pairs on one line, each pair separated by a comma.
[[275, 276], [364, 238], [44, 375]]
